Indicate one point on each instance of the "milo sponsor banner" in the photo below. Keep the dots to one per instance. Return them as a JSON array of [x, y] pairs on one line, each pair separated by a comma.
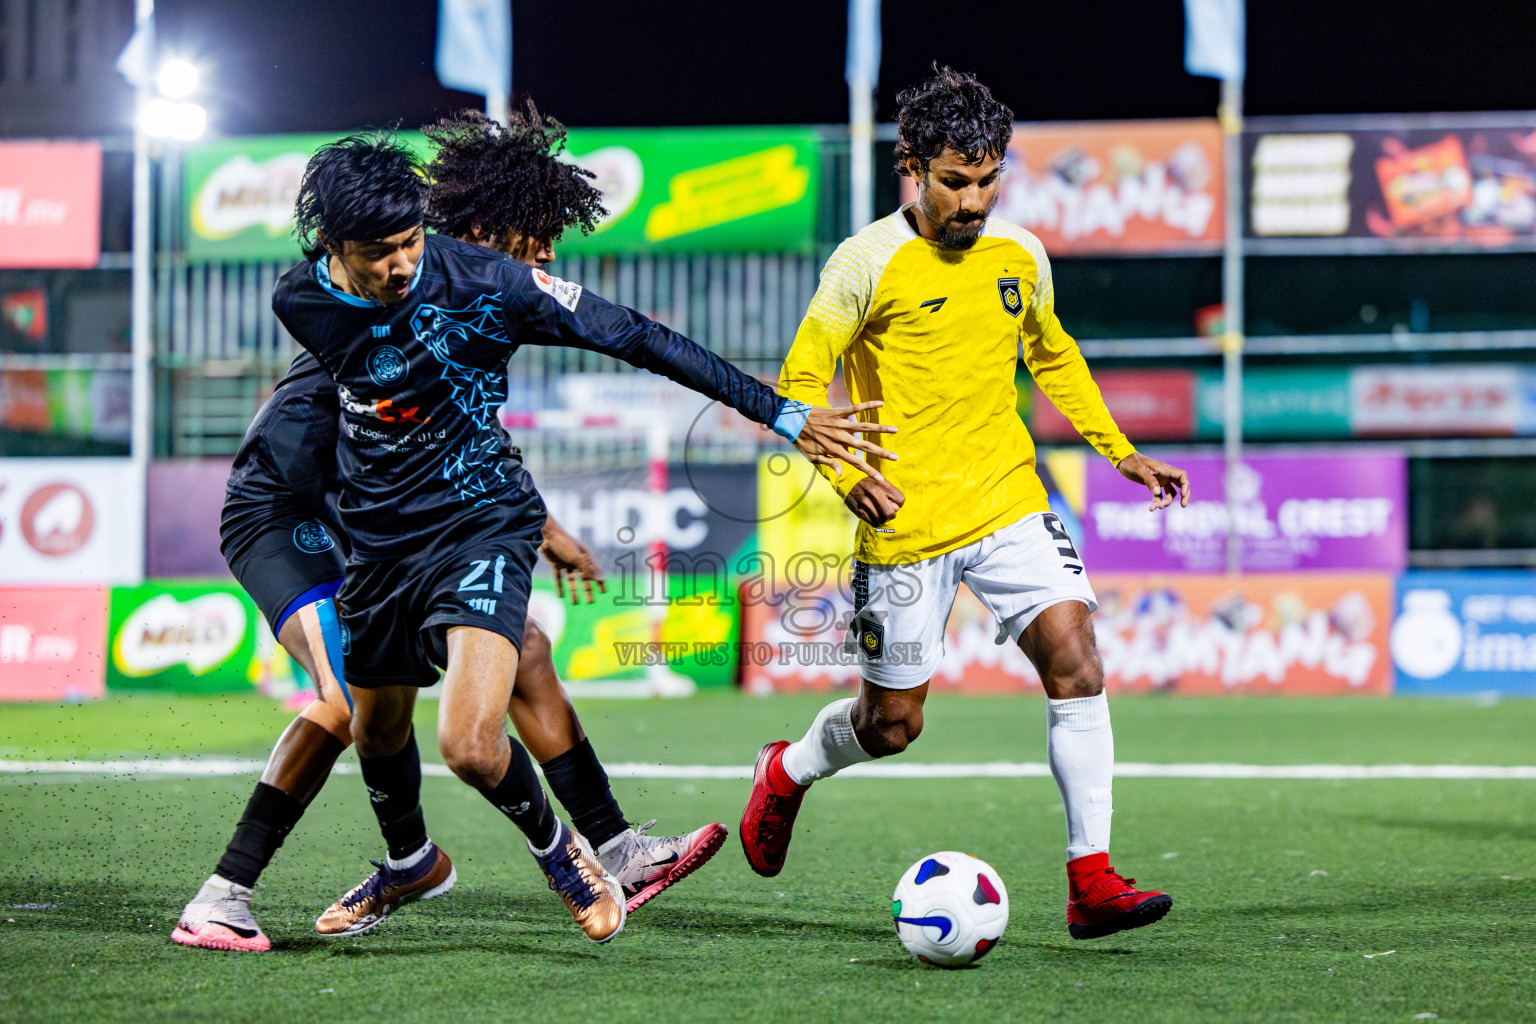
[[700, 189], [184, 637], [240, 193], [665, 189], [1293, 512], [1465, 631], [70, 522], [1295, 634]]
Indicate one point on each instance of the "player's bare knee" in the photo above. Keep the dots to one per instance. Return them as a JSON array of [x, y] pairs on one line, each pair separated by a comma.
[[536, 646], [1076, 671], [477, 756], [887, 729], [333, 718]]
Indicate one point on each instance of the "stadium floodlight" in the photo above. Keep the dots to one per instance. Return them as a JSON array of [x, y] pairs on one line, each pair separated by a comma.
[[163, 118], [177, 78]]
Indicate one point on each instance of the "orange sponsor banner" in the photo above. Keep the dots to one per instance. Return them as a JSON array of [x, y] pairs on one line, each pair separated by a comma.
[[53, 643], [1114, 187], [1313, 634]]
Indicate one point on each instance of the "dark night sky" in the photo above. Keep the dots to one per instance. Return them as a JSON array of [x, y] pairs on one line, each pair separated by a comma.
[[298, 65]]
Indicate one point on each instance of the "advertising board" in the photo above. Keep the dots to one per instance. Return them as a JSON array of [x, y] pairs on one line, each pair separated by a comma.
[[182, 637], [1295, 512], [1465, 631], [70, 521], [50, 204], [750, 189], [1114, 187], [1313, 634], [52, 641]]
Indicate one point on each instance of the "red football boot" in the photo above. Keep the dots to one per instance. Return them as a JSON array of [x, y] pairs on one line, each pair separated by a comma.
[[1103, 903], [769, 818]]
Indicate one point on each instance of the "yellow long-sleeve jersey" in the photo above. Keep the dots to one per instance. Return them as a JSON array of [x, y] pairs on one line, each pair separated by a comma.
[[935, 334]]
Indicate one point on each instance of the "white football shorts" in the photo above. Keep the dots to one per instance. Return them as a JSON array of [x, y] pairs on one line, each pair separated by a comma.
[[1017, 572]]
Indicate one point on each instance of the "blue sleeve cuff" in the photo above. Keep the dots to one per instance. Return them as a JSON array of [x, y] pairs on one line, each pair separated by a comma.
[[791, 419]]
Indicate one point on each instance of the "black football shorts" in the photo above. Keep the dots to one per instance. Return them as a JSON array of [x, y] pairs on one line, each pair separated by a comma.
[[475, 571], [283, 553]]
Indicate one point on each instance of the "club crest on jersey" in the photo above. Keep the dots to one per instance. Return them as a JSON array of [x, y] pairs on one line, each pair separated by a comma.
[[387, 365], [1008, 291], [311, 538]]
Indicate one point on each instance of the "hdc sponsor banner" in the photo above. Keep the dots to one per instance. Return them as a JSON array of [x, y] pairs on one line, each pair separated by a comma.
[[1465, 631], [1115, 187], [1459, 183], [1303, 512], [1302, 634], [50, 204], [51, 643], [185, 637], [70, 521]]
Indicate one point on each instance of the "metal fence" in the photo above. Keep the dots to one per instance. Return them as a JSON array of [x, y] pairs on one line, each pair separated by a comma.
[[219, 349]]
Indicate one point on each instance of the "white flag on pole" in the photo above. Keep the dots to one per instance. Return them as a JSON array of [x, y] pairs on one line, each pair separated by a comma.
[[862, 62], [133, 62], [1215, 38], [474, 46]]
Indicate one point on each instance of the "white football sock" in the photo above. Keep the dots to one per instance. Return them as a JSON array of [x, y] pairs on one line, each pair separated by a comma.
[[829, 746], [1081, 747], [406, 863]]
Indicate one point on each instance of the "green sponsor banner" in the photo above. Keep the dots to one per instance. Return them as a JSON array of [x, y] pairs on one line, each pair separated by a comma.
[[614, 638], [666, 190], [1279, 403], [182, 637]]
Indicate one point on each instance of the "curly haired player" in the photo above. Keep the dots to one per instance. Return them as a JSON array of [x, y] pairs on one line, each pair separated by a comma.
[[284, 543], [928, 307], [444, 522]]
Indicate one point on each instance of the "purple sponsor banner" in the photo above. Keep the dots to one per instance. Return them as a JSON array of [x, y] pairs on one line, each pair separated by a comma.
[[1317, 512], [186, 497]]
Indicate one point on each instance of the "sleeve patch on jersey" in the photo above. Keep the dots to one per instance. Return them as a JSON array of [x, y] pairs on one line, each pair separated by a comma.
[[566, 293]]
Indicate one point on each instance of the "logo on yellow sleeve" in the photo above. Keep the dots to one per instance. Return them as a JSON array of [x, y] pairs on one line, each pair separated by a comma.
[[1008, 290]]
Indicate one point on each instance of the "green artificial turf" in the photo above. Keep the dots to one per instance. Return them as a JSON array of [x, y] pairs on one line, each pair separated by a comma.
[[1280, 888]]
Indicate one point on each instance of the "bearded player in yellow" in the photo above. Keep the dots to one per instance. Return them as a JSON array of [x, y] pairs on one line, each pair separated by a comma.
[[927, 310]]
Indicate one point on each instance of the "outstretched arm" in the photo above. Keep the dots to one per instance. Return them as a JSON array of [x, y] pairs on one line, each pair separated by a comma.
[[1058, 366], [547, 311]]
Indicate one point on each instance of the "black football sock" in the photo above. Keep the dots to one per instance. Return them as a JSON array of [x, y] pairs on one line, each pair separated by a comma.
[[394, 790], [578, 781], [269, 816], [520, 797]]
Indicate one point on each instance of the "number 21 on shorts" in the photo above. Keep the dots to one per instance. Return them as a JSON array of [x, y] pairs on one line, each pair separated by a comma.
[[475, 580]]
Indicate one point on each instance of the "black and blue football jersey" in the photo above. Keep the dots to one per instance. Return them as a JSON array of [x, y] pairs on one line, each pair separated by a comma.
[[421, 381]]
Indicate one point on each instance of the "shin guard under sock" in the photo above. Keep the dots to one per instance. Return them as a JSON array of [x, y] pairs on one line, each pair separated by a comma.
[[394, 790], [578, 781], [520, 797], [269, 816]]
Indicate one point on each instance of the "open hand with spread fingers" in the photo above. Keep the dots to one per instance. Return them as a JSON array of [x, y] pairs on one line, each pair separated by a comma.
[[831, 436], [572, 561], [1158, 477]]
